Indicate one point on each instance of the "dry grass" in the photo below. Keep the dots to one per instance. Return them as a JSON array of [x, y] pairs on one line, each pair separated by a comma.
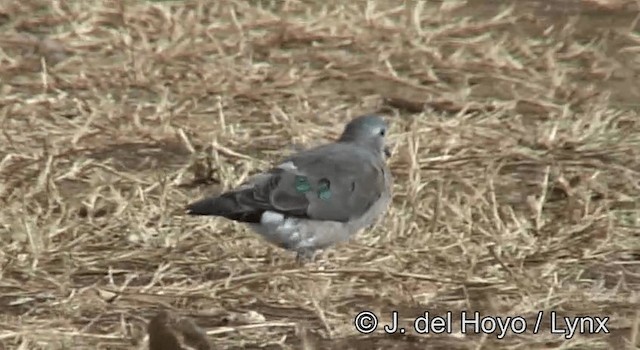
[[516, 158]]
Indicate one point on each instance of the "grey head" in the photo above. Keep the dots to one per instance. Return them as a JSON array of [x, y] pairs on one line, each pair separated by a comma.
[[368, 131]]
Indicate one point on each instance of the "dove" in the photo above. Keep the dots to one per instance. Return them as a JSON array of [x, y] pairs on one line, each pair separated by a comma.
[[315, 198]]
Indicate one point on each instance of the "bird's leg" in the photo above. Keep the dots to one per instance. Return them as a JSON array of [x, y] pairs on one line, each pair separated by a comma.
[[305, 255]]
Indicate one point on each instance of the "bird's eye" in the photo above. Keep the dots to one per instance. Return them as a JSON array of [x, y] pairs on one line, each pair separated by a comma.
[[382, 132]]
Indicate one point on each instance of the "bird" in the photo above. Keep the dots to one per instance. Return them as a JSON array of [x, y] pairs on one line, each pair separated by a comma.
[[314, 198]]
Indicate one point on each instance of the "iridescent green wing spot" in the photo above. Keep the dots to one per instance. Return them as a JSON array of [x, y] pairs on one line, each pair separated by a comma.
[[302, 184], [324, 191]]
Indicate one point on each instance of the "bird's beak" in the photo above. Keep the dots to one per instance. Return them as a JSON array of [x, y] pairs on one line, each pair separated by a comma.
[[387, 151]]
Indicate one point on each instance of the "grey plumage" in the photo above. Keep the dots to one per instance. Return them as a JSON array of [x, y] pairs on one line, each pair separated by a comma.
[[315, 198]]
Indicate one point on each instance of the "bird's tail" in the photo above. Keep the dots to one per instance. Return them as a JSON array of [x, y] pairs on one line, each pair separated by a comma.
[[226, 205]]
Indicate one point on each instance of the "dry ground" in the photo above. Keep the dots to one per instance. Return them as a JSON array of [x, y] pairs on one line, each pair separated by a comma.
[[516, 157]]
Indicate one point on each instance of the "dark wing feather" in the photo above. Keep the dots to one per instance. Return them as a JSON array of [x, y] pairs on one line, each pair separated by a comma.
[[334, 182]]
